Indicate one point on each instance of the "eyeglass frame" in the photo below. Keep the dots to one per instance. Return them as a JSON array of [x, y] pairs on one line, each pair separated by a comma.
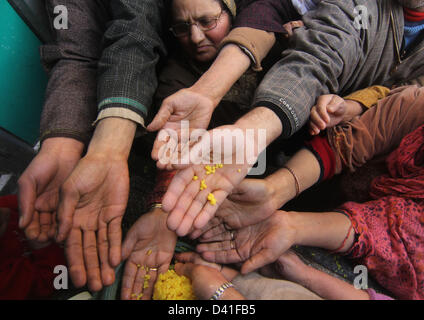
[[197, 25]]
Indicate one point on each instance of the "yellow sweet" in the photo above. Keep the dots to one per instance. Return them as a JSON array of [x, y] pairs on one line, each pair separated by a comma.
[[211, 199], [171, 286], [203, 185], [195, 178]]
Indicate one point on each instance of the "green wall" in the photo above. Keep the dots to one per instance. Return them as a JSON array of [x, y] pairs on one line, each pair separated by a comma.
[[22, 79]]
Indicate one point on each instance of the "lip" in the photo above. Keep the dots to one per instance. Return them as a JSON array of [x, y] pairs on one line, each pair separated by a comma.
[[203, 48]]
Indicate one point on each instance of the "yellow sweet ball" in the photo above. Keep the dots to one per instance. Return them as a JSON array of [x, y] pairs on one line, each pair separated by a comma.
[[171, 286]]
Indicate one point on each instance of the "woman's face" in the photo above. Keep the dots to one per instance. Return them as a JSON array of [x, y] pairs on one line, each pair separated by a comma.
[[201, 45]]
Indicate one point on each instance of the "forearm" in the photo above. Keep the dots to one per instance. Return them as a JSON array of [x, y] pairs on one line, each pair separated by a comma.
[[261, 118], [328, 230], [306, 170], [227, 68], [331, 288]]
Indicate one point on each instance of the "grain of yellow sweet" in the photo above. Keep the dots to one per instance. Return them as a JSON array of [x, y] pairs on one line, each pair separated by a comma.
[[211, 199]]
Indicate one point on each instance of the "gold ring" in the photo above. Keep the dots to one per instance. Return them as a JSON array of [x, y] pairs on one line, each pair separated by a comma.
[[232, 245], [232, 235], [153, 269]]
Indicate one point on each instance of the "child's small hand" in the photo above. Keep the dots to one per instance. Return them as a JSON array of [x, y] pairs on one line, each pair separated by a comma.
[[329, 111]]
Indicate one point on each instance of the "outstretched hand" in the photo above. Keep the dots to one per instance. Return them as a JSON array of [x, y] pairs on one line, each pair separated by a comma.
[[92, 203], [197, 191], [250, 202], [185, 104], [40, 183], [256, 245], [148, 249]]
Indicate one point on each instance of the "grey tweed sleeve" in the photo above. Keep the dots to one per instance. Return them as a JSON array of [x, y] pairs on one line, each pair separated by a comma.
[[324, 53], [132, 48]]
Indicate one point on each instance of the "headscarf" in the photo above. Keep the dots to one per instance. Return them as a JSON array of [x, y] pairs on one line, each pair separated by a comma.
[[231, 5]]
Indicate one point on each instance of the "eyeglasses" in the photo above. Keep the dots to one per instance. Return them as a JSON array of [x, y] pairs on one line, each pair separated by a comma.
[[205, 24]]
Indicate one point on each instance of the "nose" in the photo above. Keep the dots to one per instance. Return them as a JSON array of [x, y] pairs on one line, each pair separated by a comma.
[[196, 35]]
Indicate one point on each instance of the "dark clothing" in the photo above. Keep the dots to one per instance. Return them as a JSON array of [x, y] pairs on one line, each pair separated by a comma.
[[107, 57], [334, 54]]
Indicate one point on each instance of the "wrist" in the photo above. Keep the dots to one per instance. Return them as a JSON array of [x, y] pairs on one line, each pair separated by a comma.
[[62, 145], [218, 80], [113, 137], [354, 108], [262, 118], [282, 187]]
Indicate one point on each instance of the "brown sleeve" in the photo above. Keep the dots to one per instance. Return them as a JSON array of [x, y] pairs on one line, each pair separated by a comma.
[[379, 130], [257, 42], [71, 59]]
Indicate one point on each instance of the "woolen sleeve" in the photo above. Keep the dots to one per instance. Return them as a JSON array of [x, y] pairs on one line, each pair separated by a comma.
[[326, 50], [133, 46], [70, 60]]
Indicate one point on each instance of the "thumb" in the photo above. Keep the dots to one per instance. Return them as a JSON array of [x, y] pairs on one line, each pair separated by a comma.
[[128, 244], [66, 209], [184, 269], [161, 118], [26, 200], [257, 261]]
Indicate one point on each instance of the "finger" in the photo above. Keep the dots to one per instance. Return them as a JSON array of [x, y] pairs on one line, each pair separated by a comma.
[[186, 199], [164, 147], [188, 217], [316, 119], [26, 200], [45, 226], [129, 243], [165, 111], [215, 246], [184, 269], [224, 256], [150, 278], [107, 272], [115, 239], [75, 258], [66, 209], [128, 279], [323, 114], [213, 223], [32, 231], [186, 257], [53, 226], [314, 130], [262, 258], [209, 210], [176, 188], [219, 233], [137, 289], [92, 260]]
